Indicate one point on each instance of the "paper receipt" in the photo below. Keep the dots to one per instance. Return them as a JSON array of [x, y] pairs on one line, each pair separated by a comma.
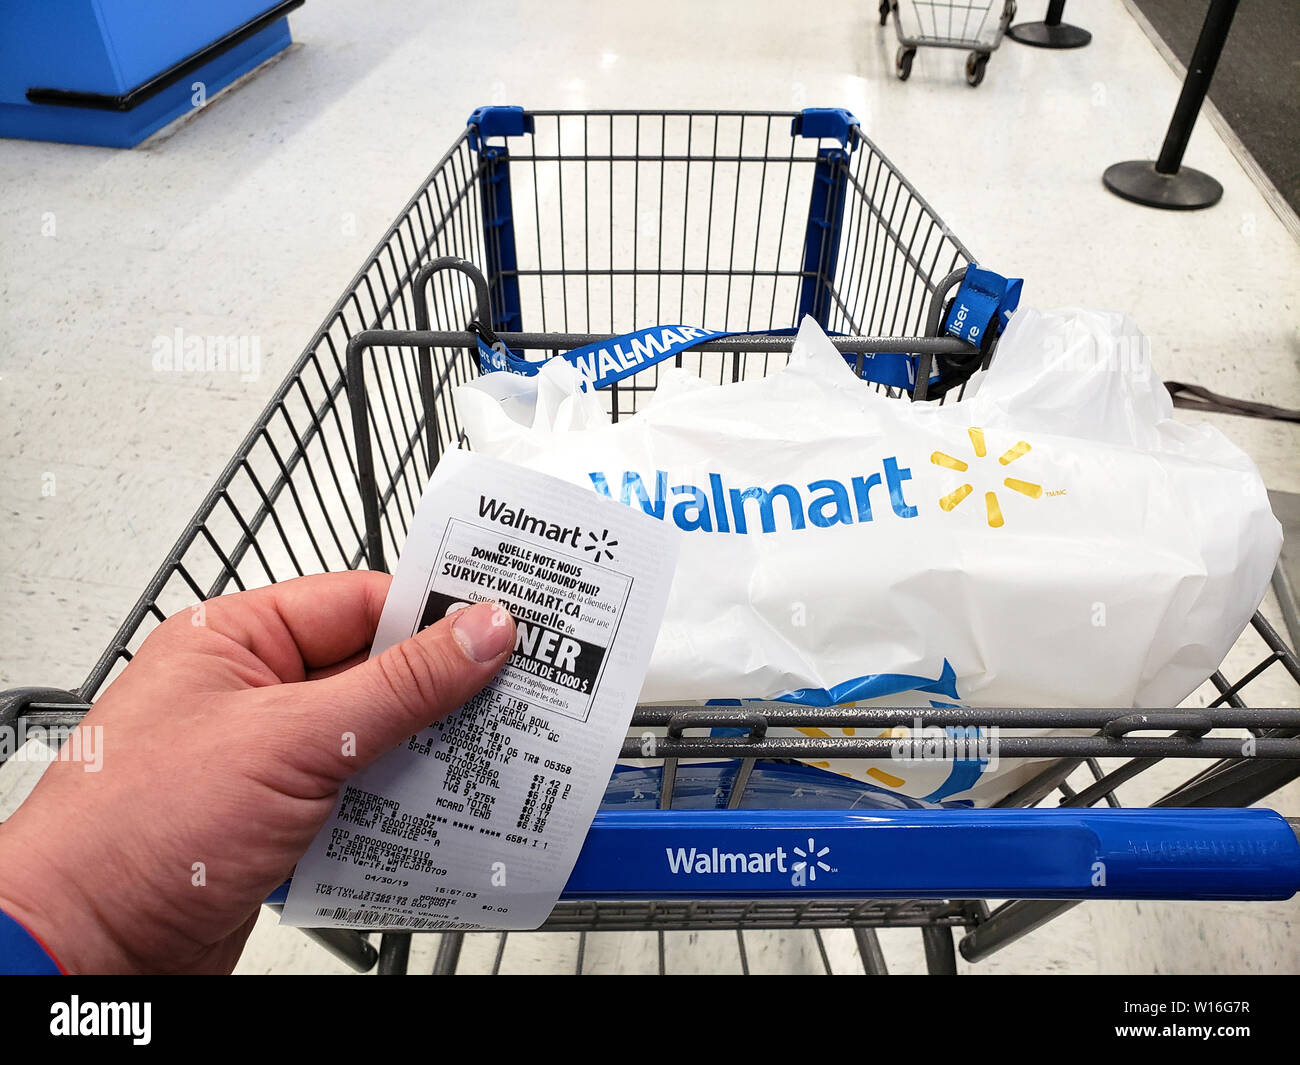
[[477, 821]]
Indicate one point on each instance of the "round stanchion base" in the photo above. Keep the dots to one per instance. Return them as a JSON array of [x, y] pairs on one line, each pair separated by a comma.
[[1042, 35], [1139, 181]]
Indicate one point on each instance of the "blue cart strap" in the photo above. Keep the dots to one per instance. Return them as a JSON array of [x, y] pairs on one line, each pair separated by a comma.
[[21, 953], [606, 361], [601, 364], [490, 360], [499, 121], [893, 369], [984, 301], [814, 123]]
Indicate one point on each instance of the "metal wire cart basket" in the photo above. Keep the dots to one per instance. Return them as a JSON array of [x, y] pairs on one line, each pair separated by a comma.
[[962, 24], [583, 225]]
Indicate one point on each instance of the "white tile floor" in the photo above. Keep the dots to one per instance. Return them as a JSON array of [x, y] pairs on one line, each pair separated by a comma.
[[252, 216]]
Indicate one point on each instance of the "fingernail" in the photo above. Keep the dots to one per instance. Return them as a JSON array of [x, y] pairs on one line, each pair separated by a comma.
[[483, 631]]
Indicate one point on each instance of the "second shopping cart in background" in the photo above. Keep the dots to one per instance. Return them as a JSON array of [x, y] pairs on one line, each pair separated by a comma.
[[967, 25]]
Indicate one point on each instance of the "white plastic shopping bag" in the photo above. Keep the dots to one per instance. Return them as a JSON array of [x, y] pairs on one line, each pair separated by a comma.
[[1054, 539]]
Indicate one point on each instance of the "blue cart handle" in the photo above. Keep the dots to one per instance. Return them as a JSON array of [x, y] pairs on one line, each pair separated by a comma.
[[936, 854], [944, 854]]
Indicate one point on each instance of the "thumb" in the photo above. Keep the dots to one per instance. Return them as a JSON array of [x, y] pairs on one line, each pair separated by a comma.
[[355, 716]]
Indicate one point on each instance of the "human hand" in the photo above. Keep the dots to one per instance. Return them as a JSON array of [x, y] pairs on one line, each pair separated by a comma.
[[225, 743]]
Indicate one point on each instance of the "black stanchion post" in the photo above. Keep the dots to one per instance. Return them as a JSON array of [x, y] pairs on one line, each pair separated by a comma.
[[1051, 32], [1166, 182]]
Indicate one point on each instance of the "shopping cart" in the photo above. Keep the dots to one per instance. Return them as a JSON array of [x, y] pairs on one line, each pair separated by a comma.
[[942, 24], [581, 225]]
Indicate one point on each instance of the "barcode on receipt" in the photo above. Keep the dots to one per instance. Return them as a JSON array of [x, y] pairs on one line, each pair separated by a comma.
[[371, 917]]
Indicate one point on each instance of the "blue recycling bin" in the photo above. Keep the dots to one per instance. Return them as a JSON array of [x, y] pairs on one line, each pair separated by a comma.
[[111, 72]]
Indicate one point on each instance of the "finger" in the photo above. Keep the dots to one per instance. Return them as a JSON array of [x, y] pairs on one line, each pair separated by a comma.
[[385, 699], [303, 624]]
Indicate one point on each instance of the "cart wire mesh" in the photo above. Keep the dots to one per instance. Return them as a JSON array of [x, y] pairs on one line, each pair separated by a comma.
[[621, 220]]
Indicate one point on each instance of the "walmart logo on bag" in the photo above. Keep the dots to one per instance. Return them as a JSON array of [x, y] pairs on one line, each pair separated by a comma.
[[716, 507], [992, 508]]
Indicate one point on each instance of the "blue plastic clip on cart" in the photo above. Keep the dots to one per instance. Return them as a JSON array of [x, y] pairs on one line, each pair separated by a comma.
[[540, 233]]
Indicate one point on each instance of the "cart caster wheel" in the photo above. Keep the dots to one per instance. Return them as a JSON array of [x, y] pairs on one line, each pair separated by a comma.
[[903, 63], [884, 12], [975, 64]]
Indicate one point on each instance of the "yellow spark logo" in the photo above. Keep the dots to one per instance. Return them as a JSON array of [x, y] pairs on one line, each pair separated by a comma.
[[991, 505]]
